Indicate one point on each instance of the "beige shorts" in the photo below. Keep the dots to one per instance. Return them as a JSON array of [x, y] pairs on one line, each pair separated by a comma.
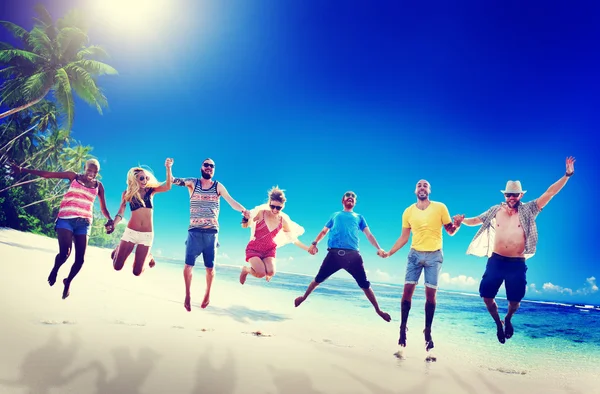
[[138, 237]]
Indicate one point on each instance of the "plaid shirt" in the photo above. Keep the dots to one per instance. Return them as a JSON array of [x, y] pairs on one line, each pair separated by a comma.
[[480, 245]]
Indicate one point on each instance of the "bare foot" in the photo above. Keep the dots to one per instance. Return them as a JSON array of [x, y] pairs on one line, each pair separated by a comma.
[[508, 329], [66, 290], [52, 277], [500, 332], [112, 255], [384, 316], [428, 339], [206, 301], [152, 263], [268, 278], [298, 301], [187, 303], [402, 340], [243, 275]]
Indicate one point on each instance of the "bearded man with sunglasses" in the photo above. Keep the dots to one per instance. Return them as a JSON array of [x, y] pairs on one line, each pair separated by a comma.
[[508, 236], [204, 225], [343, 252]]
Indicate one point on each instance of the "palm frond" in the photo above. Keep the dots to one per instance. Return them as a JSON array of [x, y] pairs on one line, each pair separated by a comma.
[[85, 87], [40, 42], [16, 30], [73, 18], [37, 85], [5, 45], [64, 96], [93, 51], [8, 55], [9, 72], [70, 40], [11, 92], [95, 67], [44, 15]]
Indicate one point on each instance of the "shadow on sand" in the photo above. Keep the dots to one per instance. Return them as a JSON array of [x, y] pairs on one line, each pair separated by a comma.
[[242, 314], [46, 368], [211, 380]]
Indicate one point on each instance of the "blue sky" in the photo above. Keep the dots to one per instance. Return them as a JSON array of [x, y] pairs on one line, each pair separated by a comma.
[[322, 97]]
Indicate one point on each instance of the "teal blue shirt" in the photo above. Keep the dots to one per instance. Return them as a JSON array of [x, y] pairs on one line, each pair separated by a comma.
[[344, 228]]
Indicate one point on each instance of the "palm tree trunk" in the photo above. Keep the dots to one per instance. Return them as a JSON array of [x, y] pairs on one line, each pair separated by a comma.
[[40, 201], [13, 140], [25, 106], [21, 184]]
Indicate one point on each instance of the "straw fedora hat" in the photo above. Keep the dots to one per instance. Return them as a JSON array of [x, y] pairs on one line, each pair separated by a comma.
[[513, 187]]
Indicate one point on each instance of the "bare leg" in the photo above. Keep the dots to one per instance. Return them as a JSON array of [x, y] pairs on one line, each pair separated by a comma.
[[141, 254], [80, 247], [187, 277], [313, 285], [493, 310], [270, 266], [512, 308], [121, 253], [371, 296], [257, 269], [429, 312], [409, 289], [210, 275], [65, 242]]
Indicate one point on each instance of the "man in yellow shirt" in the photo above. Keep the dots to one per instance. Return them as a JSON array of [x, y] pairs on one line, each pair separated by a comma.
[[425, 220]]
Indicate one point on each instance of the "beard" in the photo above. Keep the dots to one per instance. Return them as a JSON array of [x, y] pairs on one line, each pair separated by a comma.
[[348, 204], [515, 205], [422, 198], [206, 175]]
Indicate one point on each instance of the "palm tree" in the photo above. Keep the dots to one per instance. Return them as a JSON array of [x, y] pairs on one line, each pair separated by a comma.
[[53, 58]]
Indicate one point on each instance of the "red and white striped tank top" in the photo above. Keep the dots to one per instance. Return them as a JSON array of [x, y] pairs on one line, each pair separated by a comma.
[[78, 202]]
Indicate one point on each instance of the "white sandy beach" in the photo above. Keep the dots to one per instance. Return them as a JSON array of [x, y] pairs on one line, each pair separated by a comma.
[[118, 333]]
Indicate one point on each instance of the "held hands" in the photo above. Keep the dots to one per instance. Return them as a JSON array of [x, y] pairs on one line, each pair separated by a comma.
[[169, 162], [382, 253], [109, 226], [458, 219], [570, 164], [312, 249]]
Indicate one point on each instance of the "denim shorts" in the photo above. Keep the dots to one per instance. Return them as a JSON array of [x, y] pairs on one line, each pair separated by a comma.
[[201, 242], [78, 226], [418, 261]]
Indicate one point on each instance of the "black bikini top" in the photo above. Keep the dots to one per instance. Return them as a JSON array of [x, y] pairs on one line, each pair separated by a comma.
[[137, 204]]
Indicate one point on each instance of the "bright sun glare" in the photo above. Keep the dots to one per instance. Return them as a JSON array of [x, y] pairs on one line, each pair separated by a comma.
[[143, 17]]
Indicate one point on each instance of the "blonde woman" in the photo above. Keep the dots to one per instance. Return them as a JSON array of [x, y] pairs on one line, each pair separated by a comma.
[[266, 222], [75, 214], [141, 188]]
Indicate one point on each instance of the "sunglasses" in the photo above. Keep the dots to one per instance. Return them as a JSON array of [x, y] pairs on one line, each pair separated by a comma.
[[142, 178], [350, 195], [511, 195], [277, 207], [208, 165]]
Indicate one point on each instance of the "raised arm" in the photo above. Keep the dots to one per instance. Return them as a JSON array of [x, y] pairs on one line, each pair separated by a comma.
[[234, 204], [70, 175], [109, 224], [401, 241], [558, 185], [167, 185], [119, 215]]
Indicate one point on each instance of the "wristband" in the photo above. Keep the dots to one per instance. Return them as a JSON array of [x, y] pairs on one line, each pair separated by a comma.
[[314, 243], [568, 175]]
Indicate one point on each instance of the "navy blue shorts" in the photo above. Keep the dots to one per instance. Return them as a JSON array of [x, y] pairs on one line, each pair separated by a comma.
[[201, 242], [349, 260], [511, 271]]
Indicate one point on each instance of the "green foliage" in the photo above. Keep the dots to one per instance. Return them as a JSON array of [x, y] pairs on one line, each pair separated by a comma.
[[52, 57]]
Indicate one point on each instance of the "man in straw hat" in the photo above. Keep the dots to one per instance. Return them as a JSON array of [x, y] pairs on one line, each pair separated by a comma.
[[508, 235]]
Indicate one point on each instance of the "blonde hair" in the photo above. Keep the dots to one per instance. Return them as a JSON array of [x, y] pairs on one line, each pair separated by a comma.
[[93, 162], [276, 194], [133, 188]]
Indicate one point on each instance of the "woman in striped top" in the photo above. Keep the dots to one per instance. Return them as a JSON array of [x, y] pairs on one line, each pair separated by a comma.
[[75, 214]]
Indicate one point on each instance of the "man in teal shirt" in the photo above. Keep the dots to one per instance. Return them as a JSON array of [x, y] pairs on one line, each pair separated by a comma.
[[345, 227]]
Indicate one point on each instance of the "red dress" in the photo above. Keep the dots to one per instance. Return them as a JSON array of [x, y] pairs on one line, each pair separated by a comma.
[[263, 244]]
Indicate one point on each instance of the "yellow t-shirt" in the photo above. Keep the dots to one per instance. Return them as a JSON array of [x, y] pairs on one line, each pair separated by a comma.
[[426, 225]]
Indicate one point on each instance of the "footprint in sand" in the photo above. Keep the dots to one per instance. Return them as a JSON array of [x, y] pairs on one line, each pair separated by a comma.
[[258, 334], [329, 341], [205, 329], [430, 359], [121, 322], [399, 355], [54, 322]]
